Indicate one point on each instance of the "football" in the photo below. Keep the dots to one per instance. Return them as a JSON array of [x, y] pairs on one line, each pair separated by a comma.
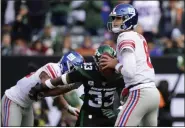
[[107, 71]]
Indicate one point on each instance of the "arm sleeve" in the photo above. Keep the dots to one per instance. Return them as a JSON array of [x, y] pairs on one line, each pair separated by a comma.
[[67, 78], [74, 77], [128, 61]]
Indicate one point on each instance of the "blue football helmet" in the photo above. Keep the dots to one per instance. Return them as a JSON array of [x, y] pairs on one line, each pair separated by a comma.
[[128, 14], [70, 61]]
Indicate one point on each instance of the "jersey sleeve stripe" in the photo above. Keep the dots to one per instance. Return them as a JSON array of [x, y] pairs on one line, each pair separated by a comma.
[[48, 72], [51, 71], [8, 112], [54, 71], [126, 43]]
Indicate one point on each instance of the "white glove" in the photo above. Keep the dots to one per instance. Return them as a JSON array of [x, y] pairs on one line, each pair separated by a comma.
[[74, 111], [120, 107]]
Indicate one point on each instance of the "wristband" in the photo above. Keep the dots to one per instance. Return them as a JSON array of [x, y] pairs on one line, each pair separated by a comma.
[[118, 66], [64, 78], [48, 84]]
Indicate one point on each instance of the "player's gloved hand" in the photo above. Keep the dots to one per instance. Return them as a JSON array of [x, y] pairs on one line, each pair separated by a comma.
[[40, 95], [124, 95], [36, 96], [119, 109], [34, 92], [110, 114], [72, 110]]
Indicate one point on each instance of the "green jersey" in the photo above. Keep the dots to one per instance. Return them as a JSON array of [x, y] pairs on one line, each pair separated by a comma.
[[99, 91]]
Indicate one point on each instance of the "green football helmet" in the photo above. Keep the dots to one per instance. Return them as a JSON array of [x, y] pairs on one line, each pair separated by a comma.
[[104, 49]]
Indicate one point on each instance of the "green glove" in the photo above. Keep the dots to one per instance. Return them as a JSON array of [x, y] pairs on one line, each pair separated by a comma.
[[108, 113]]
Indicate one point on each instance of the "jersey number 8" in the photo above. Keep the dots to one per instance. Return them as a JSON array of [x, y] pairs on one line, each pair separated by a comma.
[[148, 60]]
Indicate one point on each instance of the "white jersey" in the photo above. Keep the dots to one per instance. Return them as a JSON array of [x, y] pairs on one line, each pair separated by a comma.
[[144, 69], [19, 92]]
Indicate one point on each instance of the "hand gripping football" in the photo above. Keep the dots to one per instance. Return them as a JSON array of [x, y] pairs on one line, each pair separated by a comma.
[[107, 71]]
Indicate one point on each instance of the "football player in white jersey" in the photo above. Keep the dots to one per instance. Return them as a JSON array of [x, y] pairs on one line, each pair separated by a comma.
[[16, 102], [133, 62]]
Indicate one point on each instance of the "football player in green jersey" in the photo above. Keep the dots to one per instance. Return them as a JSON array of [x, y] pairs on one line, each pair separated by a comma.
[[99, 90]]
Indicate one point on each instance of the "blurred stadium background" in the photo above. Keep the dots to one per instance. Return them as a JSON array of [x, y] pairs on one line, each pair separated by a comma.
[[35, 32]]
